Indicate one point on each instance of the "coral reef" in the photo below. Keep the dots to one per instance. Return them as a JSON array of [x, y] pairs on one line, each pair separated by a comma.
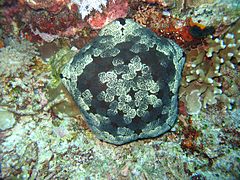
[[190, 135], [212, 143], [213, 71], [164, 24], [1, 44], [114, 10], [56, 148], [24, 95], [208, 14], [126, 94], [44, 135], [16, 57], [43, 25], [180, 7], [176, 6], [48, 20]]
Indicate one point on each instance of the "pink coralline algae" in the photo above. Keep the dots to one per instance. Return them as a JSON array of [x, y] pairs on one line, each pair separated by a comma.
[[114, 10], [51, 6], [62, 24], [8, 15], [46, 20], [97, 19]]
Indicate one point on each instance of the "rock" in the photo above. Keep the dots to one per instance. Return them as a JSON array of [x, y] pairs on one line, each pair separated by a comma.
[[7, 120]]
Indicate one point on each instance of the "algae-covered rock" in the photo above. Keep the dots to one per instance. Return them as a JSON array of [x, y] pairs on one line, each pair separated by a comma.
[[7, 119], [125, 82]]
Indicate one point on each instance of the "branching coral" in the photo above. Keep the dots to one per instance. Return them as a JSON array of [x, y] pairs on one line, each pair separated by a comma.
[[213, 70], [16, 57]]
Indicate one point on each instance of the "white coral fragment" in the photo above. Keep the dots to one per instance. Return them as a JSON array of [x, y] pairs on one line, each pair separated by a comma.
[[87, 6], [193, 102]]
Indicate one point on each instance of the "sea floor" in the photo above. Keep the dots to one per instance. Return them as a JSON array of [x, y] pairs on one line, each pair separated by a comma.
[[43, 134]]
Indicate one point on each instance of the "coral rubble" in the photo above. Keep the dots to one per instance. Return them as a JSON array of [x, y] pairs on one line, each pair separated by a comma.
[[126, 82]]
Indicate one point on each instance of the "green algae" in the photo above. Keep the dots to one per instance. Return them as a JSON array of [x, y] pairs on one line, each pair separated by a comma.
[[57, 62]]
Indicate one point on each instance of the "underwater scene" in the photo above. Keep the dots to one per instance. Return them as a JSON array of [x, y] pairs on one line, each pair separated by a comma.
[[120, 89]]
